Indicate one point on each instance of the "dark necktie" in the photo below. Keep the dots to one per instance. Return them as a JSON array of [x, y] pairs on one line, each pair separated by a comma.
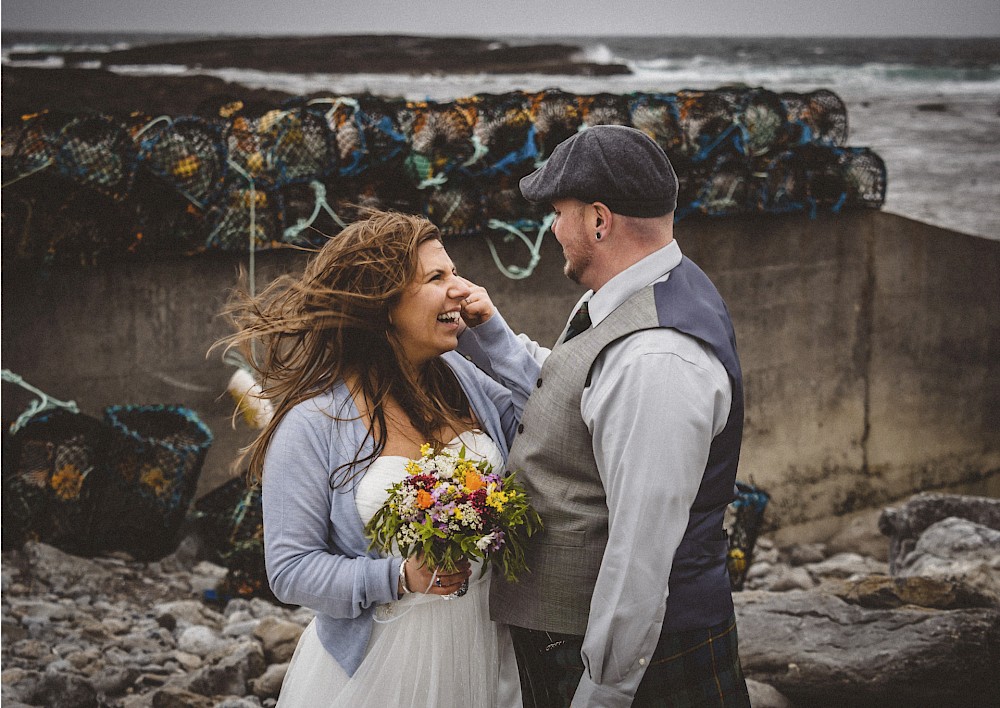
[[580, 321]]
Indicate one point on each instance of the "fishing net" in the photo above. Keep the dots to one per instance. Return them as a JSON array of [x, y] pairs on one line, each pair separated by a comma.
[[35, 143], [231, 520], [156, 454], [457, 211], [604, 109], [817, 117], [298, 173], [658, 116], [708, 123], [367, 131], [745, 516], [440, 140], [722, 186], [812, 177], [243, 216], [297, 144], [97, 152], [187, 153], [54, 474], [505, 131], [557, 116]]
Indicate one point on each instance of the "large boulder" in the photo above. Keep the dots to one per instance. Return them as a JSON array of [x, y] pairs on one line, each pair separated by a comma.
[[820, 651], [905, 524], [956, 549]]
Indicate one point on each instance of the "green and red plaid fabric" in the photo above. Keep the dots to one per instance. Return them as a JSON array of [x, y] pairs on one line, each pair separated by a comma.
[[697, 668]]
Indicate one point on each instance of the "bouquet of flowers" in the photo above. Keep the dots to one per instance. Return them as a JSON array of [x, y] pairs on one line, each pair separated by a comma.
[[450, 507]]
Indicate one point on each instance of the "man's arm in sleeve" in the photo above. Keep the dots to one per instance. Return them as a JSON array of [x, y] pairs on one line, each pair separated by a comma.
[[653, 409]]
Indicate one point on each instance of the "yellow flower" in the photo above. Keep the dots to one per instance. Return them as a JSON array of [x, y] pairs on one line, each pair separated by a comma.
[[497, 500], [457, 512], [426, 449], [412, 467], [67, 482]]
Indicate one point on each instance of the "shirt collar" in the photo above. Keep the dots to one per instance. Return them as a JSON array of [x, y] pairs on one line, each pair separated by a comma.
[[654, 267]]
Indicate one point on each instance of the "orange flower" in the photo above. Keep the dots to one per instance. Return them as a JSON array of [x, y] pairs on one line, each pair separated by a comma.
[[473, 481], [424, 499]]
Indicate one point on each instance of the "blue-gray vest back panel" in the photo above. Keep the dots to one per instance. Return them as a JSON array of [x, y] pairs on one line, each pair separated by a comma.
[[554, 456]]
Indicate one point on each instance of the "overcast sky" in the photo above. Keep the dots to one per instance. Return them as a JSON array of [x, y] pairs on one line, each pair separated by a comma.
[[499, 17]]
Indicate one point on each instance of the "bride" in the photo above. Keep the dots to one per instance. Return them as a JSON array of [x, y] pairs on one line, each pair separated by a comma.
[[357, 357]]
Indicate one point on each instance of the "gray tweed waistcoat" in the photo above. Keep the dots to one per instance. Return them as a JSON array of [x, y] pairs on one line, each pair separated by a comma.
[[553, 455]]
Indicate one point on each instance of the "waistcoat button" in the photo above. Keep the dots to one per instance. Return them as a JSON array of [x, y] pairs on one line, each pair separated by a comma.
[[520, 427], [538, 383]]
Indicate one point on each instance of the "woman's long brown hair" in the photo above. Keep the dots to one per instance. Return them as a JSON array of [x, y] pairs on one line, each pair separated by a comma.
[[303, 334]]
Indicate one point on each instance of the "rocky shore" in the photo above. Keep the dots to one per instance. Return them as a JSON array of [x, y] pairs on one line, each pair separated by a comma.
[[74, 88], [818, 627]]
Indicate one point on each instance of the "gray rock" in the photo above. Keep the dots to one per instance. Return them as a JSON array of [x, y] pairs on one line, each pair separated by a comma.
[[64, 573], [807, 553], [229, 676], [278, 638], [239, 702], [887, 592], [199, 640], [957, 549], [66, 690], [169, 697], [764, 696], [846, 565], [786, 578], [114, 680], [268, 684], [818, 650], [20, 685], [904, 524]]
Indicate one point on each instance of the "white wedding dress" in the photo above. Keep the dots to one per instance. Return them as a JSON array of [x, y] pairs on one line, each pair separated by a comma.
[[424, 650]]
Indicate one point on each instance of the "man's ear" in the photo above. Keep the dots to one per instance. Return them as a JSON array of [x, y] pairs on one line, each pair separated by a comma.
[[602, 216]]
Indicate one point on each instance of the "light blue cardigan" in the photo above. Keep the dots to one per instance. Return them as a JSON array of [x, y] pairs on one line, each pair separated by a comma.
[[315, 548]]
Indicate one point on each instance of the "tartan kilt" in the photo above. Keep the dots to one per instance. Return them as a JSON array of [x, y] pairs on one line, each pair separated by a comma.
[[696, 668]]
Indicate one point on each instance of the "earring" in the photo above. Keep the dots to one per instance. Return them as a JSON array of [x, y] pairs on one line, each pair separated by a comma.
[[598, 235]]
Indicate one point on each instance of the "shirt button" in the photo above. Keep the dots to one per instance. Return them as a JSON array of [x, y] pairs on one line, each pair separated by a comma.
[[538, 384], [520, 427], [642, 662]]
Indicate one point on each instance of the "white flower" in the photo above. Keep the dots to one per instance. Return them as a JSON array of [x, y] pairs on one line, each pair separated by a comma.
[[485, 542], [445, 466]]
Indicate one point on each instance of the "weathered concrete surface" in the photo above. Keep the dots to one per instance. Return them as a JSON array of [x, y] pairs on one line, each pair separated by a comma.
[[870, 346]]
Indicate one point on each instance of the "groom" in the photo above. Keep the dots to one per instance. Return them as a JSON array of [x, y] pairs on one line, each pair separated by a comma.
[[628, 448]]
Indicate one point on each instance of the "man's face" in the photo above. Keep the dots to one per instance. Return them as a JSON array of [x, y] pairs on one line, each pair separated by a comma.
[[575, 236]]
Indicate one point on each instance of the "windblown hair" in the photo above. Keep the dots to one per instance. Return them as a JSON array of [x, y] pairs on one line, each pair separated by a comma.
[[303, 334]]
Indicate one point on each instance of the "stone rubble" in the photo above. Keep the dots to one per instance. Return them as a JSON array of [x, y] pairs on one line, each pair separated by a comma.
[[819, 625]]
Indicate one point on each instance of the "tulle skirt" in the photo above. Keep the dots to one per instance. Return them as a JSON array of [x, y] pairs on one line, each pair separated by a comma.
[[424, 651]]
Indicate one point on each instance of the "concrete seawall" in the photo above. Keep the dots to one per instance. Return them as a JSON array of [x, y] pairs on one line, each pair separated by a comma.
[[870, 345]]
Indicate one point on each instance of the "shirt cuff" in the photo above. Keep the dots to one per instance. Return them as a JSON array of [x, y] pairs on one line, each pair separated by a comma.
[[592, 695]]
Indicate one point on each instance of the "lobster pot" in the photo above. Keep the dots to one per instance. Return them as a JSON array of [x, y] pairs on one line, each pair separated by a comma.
[[746, 516], [156, 454], [231, 520], [54, 473]]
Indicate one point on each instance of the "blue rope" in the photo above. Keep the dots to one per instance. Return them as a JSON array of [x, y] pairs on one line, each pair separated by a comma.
[[42, 403]]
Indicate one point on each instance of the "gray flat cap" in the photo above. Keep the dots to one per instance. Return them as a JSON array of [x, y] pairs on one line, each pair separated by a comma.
[[614, 164]]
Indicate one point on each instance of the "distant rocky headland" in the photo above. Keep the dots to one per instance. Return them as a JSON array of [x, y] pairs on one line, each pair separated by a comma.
[[349, 54], [85, 83]]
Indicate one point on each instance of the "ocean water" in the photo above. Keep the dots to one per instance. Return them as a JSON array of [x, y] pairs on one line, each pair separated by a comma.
[[930, 107]]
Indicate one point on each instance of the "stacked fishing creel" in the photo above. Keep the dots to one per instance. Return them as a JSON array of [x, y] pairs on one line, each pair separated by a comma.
[[88, 485], [291, 174]]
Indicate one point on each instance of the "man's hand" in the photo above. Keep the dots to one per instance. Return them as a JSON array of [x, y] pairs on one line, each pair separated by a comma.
[[477, 307]]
